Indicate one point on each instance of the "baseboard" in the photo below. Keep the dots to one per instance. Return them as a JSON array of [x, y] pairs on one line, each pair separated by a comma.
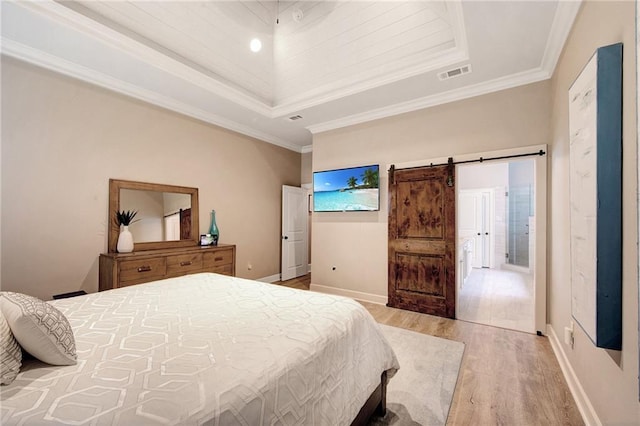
[[357, 295], [270, 279], [587, 411]]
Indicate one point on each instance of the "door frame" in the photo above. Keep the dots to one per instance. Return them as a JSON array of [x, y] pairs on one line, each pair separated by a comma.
[[540, 253]]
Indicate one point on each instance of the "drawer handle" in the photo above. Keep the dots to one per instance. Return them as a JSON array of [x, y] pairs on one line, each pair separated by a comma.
[[217, 259], [144, 269], [185, 263]]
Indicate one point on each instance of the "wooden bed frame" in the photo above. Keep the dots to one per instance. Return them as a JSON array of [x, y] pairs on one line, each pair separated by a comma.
[[376, 405]]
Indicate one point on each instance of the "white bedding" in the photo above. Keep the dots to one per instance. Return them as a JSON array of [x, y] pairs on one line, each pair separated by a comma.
[[206, 348]]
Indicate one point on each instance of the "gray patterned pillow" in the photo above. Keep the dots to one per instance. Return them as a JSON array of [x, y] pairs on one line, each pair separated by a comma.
[[10, 354], [41, 329]]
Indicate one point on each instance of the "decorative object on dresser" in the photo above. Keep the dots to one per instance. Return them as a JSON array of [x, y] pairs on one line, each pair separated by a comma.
[[213, 229], [125, 239], [166, 257], [125, 269]]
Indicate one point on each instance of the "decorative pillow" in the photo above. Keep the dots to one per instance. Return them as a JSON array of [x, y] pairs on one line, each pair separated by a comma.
[[10, 354], [41, 329]]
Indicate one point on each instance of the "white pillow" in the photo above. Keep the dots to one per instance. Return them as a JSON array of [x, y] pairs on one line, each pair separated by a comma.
[[41, 329], [10, 354]]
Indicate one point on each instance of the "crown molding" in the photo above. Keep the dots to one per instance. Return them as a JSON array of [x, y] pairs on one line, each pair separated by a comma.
[[361, 83], [306, 149], [495, 85], [84, 25], [563, 20], [62, 66], [367, 81]]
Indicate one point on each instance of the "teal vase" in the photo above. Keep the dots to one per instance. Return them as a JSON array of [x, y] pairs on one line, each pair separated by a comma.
[[213, 229]]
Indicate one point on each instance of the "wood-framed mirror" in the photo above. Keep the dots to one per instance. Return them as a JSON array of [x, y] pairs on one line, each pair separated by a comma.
[[167, 215]]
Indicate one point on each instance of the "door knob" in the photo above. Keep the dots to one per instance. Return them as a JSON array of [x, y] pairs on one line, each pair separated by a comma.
[[478, 233], [486, 233], [285, 237]]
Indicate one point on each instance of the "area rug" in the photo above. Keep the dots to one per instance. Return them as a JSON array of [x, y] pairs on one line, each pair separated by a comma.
[[421, 391]]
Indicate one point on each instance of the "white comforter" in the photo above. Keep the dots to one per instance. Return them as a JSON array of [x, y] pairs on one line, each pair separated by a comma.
[[206, 348]]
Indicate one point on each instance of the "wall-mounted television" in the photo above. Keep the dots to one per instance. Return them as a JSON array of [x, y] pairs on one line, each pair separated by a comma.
[[352, 189]]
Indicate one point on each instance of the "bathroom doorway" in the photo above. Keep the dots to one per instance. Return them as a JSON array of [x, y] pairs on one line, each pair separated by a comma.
[[495, 240]]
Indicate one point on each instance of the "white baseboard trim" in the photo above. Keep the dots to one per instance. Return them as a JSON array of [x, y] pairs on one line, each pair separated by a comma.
[[357, 295], [270, 279], [587, 411]]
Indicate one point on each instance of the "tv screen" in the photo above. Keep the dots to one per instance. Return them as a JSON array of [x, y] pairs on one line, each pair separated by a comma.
[[352, 189]]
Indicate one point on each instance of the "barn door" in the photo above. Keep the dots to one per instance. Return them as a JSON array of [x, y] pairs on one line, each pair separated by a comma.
[[422, 240]]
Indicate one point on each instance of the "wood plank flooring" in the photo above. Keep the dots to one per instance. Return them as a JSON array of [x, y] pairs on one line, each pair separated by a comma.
[[506, 377]]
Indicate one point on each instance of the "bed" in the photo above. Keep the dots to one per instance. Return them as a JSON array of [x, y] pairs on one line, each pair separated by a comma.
[[208, 349]]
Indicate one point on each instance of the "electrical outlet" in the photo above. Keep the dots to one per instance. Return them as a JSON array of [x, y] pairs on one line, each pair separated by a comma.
[[568, 335]]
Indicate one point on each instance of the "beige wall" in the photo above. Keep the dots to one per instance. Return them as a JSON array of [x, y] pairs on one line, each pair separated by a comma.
[[61, 142], [356, 242], [306, 172], [610, 379]]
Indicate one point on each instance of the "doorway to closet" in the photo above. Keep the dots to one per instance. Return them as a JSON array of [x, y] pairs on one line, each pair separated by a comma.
[[496, 237]]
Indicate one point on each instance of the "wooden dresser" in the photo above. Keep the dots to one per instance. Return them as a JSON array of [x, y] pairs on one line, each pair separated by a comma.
[[124, 269]]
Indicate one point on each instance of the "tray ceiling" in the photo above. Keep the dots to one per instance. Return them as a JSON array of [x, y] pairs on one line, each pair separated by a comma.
[[332, 63]]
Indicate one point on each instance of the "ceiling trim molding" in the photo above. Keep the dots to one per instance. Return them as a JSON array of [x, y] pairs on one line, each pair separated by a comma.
[[459, 28], [343, 88], [62, 66], [563, 20], [361, 83], [78, 22], [306, 149], [495, 85]]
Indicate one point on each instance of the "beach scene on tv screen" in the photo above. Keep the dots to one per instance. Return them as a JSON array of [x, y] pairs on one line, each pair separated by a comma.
[[346, 189]]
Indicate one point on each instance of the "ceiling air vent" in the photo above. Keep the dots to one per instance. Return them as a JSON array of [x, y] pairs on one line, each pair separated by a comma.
[[445, 75], [295, 117]]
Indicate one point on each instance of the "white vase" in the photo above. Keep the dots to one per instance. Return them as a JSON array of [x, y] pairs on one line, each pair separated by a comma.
[[125, 241]]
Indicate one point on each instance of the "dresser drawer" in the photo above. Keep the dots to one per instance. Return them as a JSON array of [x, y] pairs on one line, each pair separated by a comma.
[[125, 269], [184, 264], [218, 258], [224, 270], [136, 271]]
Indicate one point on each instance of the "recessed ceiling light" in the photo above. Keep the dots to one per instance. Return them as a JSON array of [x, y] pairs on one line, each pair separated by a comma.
[[255, 45]]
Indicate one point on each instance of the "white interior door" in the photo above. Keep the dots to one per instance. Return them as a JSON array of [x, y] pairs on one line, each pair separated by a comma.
[[295, 217], [487, 228], [172, 227], [470, 222], [475, 213]]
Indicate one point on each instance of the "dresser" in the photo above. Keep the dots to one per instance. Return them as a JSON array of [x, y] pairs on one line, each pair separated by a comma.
[[124, 269]]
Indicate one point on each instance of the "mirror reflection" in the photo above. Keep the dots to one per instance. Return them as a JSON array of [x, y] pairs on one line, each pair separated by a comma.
[[162, 216]]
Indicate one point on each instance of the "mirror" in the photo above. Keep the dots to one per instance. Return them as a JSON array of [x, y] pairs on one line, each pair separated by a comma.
[[167, 215]]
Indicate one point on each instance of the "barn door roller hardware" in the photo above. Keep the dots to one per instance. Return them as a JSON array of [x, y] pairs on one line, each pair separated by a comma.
[[450, 161]]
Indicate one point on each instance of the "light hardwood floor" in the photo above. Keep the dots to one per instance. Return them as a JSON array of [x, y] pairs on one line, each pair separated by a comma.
[[506, 378]]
